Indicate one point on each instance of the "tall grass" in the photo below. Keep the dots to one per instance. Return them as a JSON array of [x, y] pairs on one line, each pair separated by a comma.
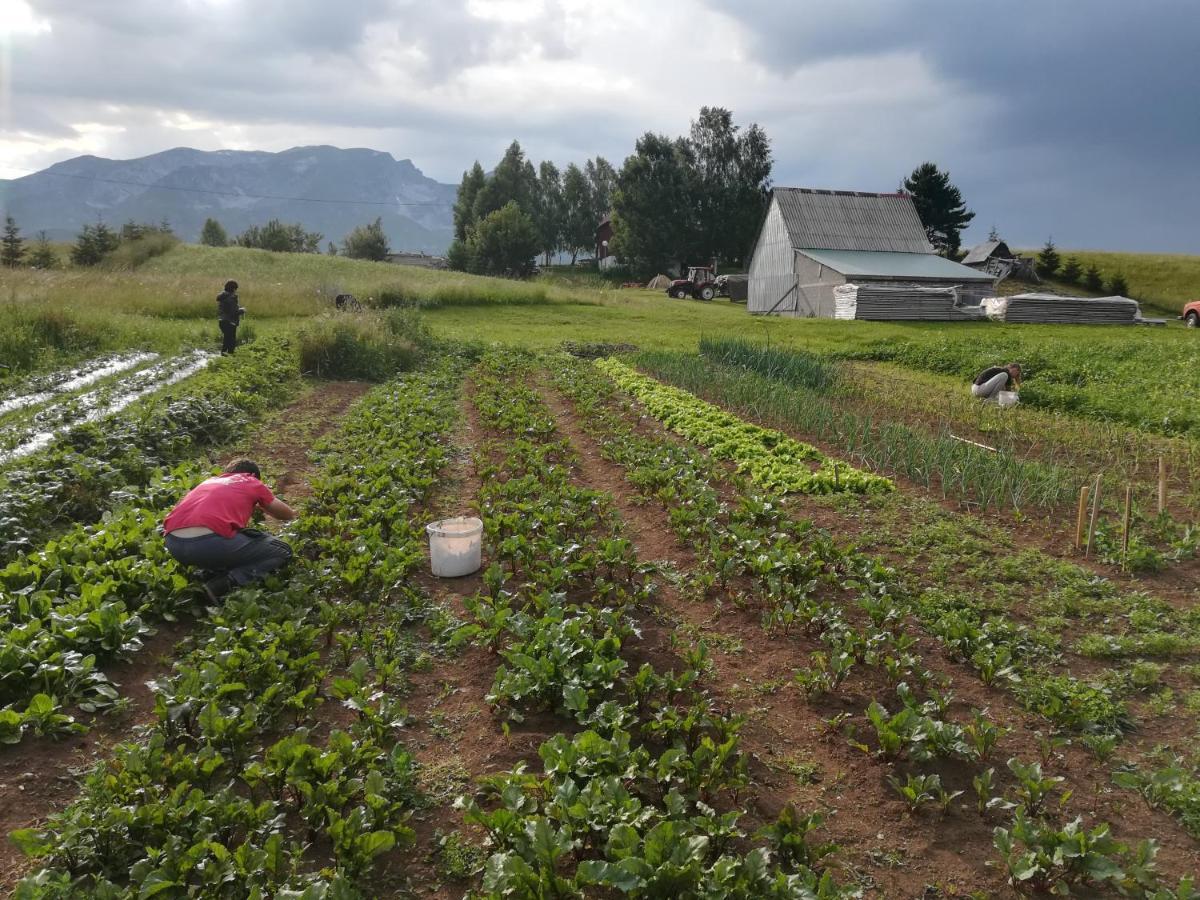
[[794, 367], [936, 461], [371, 346]]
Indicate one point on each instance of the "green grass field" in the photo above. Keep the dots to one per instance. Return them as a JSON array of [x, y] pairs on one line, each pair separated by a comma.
[[1147, 378], [1162, 281]]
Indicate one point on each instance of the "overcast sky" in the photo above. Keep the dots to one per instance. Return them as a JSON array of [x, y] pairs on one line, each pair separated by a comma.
[[1073, 118]]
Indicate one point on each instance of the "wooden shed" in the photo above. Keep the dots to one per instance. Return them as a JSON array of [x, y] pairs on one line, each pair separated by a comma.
[[812, 241]]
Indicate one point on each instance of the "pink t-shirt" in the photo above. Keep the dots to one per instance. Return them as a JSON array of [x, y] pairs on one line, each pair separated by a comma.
[[224, 504]]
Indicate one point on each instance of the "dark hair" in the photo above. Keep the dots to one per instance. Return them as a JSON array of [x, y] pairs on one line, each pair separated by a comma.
[[245, 467], [231, 286], [1012, 366]]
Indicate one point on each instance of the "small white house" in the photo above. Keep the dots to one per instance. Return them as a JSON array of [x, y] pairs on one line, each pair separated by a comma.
[[813, 241]]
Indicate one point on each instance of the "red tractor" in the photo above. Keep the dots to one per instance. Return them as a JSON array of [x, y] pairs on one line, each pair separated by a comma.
[[700, 284]]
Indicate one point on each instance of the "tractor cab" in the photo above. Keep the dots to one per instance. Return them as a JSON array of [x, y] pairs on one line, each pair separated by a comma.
[[700, 284]]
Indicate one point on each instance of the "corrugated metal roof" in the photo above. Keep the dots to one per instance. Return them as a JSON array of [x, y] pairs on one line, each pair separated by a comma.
[[851, 220], [983, 251], [879, 264]]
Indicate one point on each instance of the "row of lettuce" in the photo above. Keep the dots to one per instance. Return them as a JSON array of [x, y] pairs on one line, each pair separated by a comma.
[[748, 552], [241, 785]]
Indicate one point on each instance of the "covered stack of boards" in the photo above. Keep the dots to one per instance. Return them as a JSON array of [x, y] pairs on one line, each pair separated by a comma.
[[1055, 310], [911, 302]]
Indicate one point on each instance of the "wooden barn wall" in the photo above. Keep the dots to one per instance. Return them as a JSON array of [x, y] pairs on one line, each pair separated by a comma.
[[771, 269]]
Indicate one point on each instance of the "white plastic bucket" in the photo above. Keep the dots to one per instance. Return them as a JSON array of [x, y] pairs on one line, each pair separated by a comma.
[[1007, 398], [454, 546]]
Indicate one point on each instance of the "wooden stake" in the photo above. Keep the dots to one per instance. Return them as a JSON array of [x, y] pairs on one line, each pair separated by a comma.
[[1162, 484], [1125, 525], [1095, 513], [974, 443], [1082, 518]]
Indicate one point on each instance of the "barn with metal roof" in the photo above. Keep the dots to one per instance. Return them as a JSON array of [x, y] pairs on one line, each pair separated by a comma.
[[813, 241]]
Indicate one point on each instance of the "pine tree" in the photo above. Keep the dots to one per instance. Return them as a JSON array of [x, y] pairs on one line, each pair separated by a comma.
[[331, 250], [993, 234], [1071, 272], [43, 255], [106, 239], [85, 251], [1048, 259], [12, 245], [213, 234], [1092, 279], [1117, 286], [940, 206]]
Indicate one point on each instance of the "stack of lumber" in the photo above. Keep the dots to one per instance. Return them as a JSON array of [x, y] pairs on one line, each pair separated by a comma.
[[904, 302], [1052, 309]]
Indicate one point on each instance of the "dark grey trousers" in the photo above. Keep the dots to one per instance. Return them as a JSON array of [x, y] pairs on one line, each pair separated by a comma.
[[247, 556]]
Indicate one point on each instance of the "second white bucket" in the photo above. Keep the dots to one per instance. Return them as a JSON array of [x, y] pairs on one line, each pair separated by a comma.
[[454, 546]]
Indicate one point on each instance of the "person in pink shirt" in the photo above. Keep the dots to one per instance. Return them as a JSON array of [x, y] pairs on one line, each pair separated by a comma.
[[207, 529]]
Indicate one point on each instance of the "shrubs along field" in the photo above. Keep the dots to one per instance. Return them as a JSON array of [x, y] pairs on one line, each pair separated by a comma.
[[669, 679]]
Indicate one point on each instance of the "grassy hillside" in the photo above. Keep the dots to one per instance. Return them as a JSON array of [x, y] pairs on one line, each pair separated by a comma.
[[1162, 281], [1148, 378]]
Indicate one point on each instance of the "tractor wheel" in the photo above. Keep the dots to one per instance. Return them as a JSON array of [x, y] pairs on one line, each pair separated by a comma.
[[1192, 320], [707, 292], [679, 293]]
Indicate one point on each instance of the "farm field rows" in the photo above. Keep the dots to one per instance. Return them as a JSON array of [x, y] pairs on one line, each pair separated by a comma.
[[785, 619]]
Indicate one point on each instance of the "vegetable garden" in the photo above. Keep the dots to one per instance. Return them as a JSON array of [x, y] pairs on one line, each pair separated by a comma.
[[741, 631]]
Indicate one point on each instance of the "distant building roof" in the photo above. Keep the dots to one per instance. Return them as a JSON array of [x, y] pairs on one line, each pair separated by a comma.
[[881, 264], [985, 251], [851, 220]]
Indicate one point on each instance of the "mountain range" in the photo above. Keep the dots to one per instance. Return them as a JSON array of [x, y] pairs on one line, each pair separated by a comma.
[[328, 189]]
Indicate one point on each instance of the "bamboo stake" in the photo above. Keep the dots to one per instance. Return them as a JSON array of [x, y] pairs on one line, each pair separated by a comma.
[[1162, 484], [1082, 517], [974, 443], [1095, 513], [1125, 526]]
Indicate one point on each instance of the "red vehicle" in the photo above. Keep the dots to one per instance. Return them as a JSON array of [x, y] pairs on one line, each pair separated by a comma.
[[1191, 314], [700, 284]]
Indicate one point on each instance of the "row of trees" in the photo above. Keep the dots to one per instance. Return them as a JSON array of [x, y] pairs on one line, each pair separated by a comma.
[[364, 242], [93, 245], [1050, 264], [14, 252], [503, 220], [674, 201], [692, 199]]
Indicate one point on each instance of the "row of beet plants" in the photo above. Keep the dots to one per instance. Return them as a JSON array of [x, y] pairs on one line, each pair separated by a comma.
[[746, 546], [240, 787], [639, 794], [88, 597], [78, 477], [771, 458]]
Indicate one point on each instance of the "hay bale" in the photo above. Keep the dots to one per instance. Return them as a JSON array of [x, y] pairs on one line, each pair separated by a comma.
[[659, 283]]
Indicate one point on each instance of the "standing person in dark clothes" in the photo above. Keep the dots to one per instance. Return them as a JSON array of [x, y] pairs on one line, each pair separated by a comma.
[[229, 314], [208, 529], [992, 381]]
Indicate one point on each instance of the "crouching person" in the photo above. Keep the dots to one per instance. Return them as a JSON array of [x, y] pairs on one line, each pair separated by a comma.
[[208, 529]]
